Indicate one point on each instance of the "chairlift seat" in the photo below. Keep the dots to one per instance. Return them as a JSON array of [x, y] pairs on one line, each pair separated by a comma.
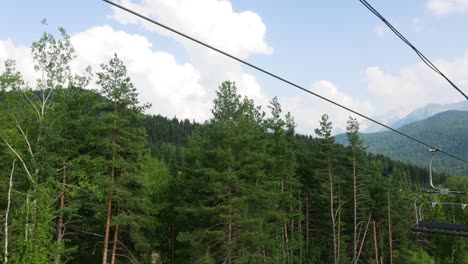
[[441, 228], [444, 226], [428, 226]]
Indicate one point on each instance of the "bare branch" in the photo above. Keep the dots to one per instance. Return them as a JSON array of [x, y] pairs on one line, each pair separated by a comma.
[[129, 252], [85, 232], [363, 239], [22, 161], [25, 139]]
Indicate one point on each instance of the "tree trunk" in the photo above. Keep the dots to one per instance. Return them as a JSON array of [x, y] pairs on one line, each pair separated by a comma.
[[299, 225], [291, 250], [10, 186], [381, 242], [291, 227], [229, 257], [285, 225], [109, 197], [26, 228], [172, 235], [338, 253], [389, 229], [354, 213], [229, 224], [307, 221], [106, 234], [108, 218], [376, 252], [60, 224], [116, 239], [332, 213]]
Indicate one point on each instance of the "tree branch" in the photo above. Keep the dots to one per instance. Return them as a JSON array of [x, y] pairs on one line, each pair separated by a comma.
[[22, 161], [25, 139]]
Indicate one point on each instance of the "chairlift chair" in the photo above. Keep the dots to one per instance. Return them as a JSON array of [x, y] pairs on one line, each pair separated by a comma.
[[426, 225], [431, 226]]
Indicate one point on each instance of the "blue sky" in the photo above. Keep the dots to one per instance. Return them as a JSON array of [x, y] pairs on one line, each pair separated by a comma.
[[337, 48]]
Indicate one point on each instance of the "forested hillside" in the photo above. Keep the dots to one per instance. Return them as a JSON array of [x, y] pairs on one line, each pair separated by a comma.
[[87, 177], [447, 130]]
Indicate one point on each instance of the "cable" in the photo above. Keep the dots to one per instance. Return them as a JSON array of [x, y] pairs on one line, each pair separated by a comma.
[[420, 55], [278, 78]]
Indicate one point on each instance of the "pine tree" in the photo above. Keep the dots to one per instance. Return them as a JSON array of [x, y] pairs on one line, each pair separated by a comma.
[[224, 182], [327, 155], [357, 148], [281, 169], [123, 144]]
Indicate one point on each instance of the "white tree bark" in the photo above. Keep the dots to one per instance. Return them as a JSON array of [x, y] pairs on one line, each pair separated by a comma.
[[10, 186]]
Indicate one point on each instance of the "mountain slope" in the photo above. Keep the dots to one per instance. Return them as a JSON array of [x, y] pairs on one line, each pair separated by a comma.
[[447, 130]]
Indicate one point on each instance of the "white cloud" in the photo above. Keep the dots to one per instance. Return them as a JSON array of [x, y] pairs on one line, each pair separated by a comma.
[[171, 87], [215, 22], [307, 110], [22, 56], [446, 7], [416, 85], [176, 88]]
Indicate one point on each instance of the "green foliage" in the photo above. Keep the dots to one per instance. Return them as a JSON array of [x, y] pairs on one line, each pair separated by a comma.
[[226, 178], [417, 257], [241, 188]]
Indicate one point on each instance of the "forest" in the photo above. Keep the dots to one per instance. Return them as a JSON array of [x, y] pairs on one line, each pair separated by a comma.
[[88, 177], [448, 129]]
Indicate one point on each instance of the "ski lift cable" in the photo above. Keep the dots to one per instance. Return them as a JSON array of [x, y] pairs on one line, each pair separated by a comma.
[[275, 76], [420, 55]]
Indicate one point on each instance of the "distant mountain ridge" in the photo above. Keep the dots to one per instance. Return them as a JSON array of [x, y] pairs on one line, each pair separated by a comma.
[[447, 130], [417, 115], [429, 111]]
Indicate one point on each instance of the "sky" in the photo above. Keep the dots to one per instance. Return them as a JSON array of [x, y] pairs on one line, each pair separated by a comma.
[[337, 49]]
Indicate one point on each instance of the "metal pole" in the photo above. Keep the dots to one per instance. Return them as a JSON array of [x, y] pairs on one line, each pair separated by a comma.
[[433, 151]]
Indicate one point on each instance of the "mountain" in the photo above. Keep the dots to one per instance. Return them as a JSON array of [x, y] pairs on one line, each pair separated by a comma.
[[395, 120], [387, 118], [428, 111], [446, 130]]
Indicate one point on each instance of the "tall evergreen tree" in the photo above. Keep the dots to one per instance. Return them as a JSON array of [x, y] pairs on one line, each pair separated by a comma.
[[327, 154], [281, 169], [225, 179], [123, 144], [357, 148]]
